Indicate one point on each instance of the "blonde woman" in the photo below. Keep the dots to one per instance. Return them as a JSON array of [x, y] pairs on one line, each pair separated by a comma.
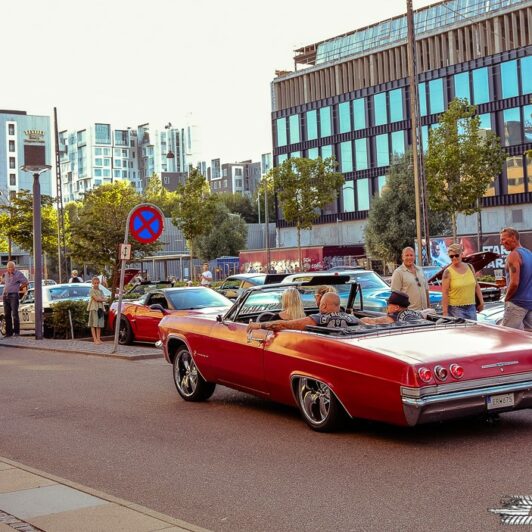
[[321, 291], [96, 310], [459, 287], [292, 305]]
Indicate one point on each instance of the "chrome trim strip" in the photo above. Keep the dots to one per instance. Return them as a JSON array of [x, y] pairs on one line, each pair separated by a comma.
[[467, 394], [439, 389], [500, 364]]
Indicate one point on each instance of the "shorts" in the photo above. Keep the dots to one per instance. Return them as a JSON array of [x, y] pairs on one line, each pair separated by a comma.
[[517, 317], [468, 312]]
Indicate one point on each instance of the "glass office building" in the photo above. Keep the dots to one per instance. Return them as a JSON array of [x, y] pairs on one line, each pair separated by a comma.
[[351, 99]]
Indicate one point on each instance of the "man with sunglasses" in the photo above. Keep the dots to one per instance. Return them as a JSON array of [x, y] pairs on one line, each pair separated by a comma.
[[518, 299], [409, 278]]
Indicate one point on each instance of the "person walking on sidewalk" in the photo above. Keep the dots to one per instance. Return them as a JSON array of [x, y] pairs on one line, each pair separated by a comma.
[[96, 310], [409, 278], [518, 299], [14, 281]]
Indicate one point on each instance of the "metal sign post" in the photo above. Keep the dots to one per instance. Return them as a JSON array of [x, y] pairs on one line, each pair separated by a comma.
[[146, 222]]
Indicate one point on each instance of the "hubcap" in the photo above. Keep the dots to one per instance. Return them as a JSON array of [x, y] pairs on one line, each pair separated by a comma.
[[186, 373], [122, 332], [315, 400]]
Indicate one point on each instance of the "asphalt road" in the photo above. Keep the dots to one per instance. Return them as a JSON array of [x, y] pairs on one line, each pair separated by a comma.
[[238, 463]]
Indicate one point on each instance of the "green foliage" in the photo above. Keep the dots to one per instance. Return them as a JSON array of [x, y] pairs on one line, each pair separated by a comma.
[[461, 161], [4, 225], [57, 323], [303, 187], [227, 236], [98, 226], [158, 195], [17, 222], [195, 208], [239, 204], [392, 218]]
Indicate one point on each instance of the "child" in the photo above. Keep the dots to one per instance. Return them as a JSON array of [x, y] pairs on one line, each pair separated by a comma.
[[96, 310]]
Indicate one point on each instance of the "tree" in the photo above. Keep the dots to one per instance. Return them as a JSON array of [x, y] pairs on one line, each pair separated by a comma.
[[227, 236], [194, 211], [461, 162], [158, 195], [392, 218], [239, 204], [98, 226], [17, 222], [303, 188]]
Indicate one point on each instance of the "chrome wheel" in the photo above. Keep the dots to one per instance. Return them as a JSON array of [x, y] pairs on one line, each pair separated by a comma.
[[318, 404], [190, 385]]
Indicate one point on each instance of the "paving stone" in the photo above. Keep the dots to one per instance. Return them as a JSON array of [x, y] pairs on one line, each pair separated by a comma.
[[109, 517], [29, 503], [4, 466], [12, 480]]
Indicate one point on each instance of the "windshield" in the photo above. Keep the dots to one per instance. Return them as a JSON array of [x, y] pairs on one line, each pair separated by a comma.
[[73, 291], [196, 298], [368, 280]]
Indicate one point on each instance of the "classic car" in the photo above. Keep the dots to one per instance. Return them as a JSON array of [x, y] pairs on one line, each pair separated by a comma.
[[51, 294], [139, 319], [234, 285], [490, 291], [405, 374], [374, 291], [493, 313]]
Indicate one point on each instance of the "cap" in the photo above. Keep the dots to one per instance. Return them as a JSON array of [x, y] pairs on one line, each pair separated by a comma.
[[399, 298]]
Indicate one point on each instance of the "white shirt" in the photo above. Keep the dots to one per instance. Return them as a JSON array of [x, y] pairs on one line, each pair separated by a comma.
[[206, 278]]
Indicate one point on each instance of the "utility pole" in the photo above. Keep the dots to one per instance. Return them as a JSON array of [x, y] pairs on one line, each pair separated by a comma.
[[61, 246], [412, 81]]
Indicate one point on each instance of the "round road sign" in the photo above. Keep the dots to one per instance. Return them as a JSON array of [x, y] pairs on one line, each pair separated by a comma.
[[146, 224]]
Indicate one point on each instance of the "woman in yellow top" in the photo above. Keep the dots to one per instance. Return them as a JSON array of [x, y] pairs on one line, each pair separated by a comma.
[[459, 287]]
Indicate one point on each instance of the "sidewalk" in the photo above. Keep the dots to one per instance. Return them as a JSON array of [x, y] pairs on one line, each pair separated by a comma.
[[31, 500], [87, 347]]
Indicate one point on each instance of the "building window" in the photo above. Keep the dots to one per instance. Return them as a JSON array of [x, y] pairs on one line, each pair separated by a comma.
[[326, 151], [107, 162], [422, 97], [97, 151], [436, 99], [396, 105], [294, 129], [12, 180], [424, 138], [281, 158], [312, 125], [116, 173], [98, 161], [103, 133], [295, 154], [398, 143], [527, 122], [529, 172], [380, 113], [348, 197], [12, 162], [359, 113], [313, 153], [515, 174], [382, 150], [344, 117], [346, 157], [381, 183], [106, 172], [238, 183], [461, 86], [481, 87], [361, 154], [363, 194], [509, 82], [11, 129], [97, 172], [485, 121], [12, 145], [325, 122], [82, 137], [526, 79], [281, 132], [512, 126]]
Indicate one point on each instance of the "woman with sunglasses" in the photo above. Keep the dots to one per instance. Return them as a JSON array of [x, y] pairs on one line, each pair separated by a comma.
[[459, 288]]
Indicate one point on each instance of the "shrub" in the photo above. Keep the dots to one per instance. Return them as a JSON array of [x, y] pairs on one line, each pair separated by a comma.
[[57, 322]]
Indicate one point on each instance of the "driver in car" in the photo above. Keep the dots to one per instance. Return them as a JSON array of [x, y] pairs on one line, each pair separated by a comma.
[[330, 315]]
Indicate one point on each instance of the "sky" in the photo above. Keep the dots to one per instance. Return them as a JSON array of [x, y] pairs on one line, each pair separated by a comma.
[[204, 62]]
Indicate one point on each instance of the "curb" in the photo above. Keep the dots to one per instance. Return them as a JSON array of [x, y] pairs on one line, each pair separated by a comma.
[[109, 498]]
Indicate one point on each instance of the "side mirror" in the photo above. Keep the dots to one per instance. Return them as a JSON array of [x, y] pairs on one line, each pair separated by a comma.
[[219, 318], [157, 306]]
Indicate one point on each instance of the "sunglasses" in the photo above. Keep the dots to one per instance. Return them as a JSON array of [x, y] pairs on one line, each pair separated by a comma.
[[417, 281], [453, 256]]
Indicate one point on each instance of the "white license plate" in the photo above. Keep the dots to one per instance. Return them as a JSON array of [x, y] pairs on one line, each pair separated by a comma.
[[500, 401]]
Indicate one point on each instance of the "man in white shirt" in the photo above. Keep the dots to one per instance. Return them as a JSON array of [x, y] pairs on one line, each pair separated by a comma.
[[409, 278], [206, 276]]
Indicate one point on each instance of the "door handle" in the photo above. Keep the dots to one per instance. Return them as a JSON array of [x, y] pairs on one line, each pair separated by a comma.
[[252, 338]]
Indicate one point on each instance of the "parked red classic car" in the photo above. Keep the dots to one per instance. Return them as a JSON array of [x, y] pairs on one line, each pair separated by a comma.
[[139, 319], [406, 374]]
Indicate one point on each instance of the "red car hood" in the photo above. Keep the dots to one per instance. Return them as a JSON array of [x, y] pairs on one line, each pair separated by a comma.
[[477, 260], [471, 343]]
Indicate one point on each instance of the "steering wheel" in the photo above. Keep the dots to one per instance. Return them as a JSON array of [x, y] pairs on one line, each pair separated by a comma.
[[260, 317]]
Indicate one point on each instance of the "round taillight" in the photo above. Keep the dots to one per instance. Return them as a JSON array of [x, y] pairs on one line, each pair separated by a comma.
[[457, 371], [424, 374], [441, 373]]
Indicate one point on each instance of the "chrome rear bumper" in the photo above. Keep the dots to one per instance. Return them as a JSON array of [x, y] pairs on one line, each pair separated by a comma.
[[440, 405]]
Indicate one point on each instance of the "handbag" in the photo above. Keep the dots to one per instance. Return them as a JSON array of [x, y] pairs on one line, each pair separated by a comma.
[[100, 313]]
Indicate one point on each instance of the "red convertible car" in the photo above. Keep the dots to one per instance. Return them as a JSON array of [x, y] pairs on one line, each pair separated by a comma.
[[404, 373], [140, 318]]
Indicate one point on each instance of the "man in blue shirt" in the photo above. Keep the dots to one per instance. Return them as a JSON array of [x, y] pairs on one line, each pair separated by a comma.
[[518, 299], [14, 281]]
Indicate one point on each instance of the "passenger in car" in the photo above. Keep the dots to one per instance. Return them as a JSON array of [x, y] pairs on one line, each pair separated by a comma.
[[292, 305], [397, 311], [329, 315], [321, 291]]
